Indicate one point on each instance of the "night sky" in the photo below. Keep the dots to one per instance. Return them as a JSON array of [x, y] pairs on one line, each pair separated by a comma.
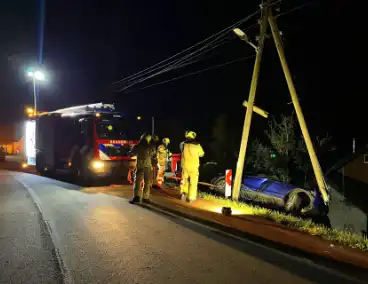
[[90, 44]]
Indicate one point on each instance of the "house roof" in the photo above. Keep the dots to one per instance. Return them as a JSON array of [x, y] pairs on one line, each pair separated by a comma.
[[346, 159]]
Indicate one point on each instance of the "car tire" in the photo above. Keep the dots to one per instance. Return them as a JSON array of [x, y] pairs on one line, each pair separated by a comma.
[[219, 185], [296, 201]]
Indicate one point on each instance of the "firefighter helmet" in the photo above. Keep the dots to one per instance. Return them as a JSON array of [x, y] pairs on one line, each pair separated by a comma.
[[147, 137], [190, 135], [166, 141]]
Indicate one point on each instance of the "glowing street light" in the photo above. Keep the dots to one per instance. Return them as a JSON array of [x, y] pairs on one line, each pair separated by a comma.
[[242, 35], [36, 75]]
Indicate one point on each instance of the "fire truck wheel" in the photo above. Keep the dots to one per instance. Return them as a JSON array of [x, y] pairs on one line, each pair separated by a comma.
[[82, 176], [41, 168], [39, 163]]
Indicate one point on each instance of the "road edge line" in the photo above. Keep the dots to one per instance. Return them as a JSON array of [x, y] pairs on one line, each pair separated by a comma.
[[65, 271]]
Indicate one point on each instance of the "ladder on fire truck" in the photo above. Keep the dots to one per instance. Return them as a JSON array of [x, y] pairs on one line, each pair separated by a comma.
[[83, 109]]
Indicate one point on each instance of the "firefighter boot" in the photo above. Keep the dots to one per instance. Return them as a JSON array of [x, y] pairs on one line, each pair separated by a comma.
[[134, 200]]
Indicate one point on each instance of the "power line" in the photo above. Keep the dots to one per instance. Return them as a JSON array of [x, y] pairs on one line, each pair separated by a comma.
[[294, 9], [169, 68], [282, 14], [179, 61], [194, 73], [191, 61], [221, 33]]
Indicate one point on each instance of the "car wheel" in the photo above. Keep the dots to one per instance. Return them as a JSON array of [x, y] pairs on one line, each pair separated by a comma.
[[219, 185], [293, 203], [296, 201]]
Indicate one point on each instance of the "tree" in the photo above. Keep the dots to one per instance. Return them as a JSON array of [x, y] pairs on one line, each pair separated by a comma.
[[283, 155], [302, 160]]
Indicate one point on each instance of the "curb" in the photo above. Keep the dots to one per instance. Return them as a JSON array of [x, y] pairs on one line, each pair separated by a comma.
[[340, 266], [57, 251]]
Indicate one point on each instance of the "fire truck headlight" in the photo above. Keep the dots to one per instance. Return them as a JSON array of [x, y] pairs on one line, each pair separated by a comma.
[[98, 165]]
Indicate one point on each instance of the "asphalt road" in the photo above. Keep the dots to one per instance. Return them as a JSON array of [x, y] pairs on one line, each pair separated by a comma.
[[51, 231], [26, 250]]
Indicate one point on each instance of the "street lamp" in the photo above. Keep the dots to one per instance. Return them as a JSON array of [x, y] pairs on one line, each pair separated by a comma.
[[244, 37], [36, 75]]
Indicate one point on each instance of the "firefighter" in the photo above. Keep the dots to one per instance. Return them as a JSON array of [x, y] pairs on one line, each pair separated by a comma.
[[143, 171], [131, 167], [163, 155], [155, 142], [191, 151]]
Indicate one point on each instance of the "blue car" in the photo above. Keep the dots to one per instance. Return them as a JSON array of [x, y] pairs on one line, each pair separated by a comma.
[[287, 196]]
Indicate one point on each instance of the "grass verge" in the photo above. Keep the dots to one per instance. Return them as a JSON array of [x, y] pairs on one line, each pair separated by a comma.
[[345, 238]]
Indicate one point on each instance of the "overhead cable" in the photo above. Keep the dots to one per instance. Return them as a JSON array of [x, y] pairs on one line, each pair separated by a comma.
[[216, 36], [178, 62], [194, 73]]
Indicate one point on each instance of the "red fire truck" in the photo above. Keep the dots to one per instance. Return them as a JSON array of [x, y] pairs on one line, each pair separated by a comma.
[[89, 142]]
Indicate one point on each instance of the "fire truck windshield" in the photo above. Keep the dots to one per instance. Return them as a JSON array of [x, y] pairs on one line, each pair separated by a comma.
[[118, 128]]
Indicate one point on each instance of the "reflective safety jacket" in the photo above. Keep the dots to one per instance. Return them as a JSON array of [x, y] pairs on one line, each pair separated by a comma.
[[162, 153], [191, 151]]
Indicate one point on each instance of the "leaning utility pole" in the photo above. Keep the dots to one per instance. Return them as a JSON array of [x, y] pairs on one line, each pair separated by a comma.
[[250, 104], [299, 113], [268, 18]]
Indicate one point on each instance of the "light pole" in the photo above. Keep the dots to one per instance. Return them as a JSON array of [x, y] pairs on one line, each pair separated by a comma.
[[242, 35], [36, 75], [250, 102], [153, 125]]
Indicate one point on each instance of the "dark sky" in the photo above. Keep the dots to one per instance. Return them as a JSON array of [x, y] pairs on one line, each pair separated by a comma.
[[90, 44]]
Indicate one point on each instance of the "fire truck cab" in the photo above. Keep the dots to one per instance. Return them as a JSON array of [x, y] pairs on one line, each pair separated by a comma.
[[89, 142]]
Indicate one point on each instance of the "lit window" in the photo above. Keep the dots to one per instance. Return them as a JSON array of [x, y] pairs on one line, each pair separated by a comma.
[[365, 158]]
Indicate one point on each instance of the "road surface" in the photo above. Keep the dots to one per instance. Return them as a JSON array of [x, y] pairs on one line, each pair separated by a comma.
[[51, 232]]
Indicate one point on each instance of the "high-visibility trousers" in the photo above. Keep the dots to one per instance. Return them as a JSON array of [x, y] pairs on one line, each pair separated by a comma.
[[189, 183], [161, 173]]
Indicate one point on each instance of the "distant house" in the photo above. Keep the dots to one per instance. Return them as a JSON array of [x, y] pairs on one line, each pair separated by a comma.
[[349, 177], [357, 167], [11, 138], [353, 167]]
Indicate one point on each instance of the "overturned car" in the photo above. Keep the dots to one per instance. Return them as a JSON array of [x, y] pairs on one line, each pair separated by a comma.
[[289, 197], [264, 191]]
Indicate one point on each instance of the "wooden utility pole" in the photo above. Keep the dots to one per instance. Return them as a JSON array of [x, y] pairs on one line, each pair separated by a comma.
[[269, 18], [250, 104], [294, 97]]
